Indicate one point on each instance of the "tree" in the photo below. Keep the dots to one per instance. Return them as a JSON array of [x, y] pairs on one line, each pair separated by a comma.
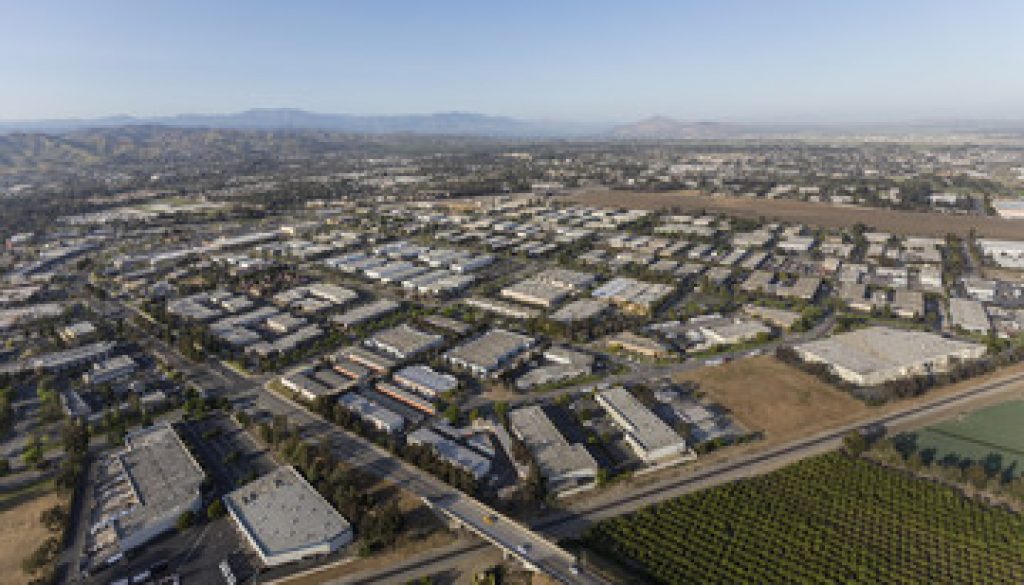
[[186, 520], [452, 413], [501, 411], [855, 443], [33, 455], [215, 510], [54, 519]]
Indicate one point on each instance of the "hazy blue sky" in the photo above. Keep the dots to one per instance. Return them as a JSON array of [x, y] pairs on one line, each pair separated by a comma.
[[587, 60]]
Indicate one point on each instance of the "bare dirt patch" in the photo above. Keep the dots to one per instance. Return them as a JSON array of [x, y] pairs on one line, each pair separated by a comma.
[[20, 534], [817, 214], [765, 394]]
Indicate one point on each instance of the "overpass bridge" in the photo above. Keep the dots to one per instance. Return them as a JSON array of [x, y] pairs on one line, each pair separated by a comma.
[[515, 540]]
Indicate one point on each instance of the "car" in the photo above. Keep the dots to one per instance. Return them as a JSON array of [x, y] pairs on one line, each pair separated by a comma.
[[159, 567], [523, 549], [141, 577], [574, 570], [490, 519]]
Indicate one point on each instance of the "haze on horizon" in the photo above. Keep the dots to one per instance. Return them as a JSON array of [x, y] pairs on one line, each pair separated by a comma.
[[585, 61]]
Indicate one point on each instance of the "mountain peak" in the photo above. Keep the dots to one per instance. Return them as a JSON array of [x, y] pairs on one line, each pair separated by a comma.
[[666, 127]]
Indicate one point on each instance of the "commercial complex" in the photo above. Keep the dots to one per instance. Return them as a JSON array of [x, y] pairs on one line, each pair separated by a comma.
[[488, 354], [148, 485], [650, 438], [875, 355], [284, 519], [564, 465]]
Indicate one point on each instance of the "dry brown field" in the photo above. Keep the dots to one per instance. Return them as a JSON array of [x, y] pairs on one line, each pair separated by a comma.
[[20, 534], [765, 394], [817, 214]]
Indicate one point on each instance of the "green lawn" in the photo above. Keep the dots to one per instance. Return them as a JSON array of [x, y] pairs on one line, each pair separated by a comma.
[[996, 430]]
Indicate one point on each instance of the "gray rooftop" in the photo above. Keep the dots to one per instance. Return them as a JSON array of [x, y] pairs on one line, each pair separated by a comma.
[[281, 512]]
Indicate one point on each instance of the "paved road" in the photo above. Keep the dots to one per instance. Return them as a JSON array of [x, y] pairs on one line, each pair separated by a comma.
[[576, 520], [246, 393]]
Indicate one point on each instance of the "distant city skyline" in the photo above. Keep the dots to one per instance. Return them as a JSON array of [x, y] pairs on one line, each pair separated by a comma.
[[594, 62]]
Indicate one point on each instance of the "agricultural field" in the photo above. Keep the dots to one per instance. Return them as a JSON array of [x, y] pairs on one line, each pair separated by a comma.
[[992, 433], [784, 402], [819, 214], [829, 519]]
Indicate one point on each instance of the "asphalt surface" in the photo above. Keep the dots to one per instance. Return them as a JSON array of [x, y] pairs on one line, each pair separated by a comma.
[[248, 394], [537, 549], [575, 521]]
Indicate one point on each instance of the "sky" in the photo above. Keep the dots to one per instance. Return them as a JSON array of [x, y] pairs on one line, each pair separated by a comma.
[[584, 61]]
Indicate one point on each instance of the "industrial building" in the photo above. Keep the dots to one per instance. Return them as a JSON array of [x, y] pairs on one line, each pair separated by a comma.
[[146, 487], [462, 457], [564, 364], [535, 292], [71, 358], [632, 343], [488, 354], [406, 397], [732, 331], [370, 412], [580, 310], [969, 315], [109, 370], [285, 519], [875, 355], [77, 331], [312, 382], [364, 313], [650, 438], [564, 465], [501, 308], [426, 381], [364, 357], [404, 342], [632, 295]]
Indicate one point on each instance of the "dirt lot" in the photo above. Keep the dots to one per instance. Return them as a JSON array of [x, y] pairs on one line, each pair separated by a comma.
[[20, 534], [767, 395], [786, 403], [818, 214]]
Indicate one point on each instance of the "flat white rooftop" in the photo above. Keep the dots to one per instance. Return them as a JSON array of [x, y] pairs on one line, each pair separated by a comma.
[[284, 518]]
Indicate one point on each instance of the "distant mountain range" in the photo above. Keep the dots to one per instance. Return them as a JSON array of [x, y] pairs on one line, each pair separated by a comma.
[[662, 127], [472, 124], [450, 123]]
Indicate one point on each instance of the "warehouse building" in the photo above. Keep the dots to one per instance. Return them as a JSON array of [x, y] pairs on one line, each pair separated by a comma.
[[650, 438], [488, 354], [501, 308], [364, 357], [407, 398], [535, 292], [632, 343], [109, 370], [404, 342], [71, 358], [370, 412], [285, 519], [580, 310], [969, 315], [365, 313], [632, 295], [564, 465], [426, 380], [732, 331], [875, 355], [462, 457], [151, 482], [313, 381]]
